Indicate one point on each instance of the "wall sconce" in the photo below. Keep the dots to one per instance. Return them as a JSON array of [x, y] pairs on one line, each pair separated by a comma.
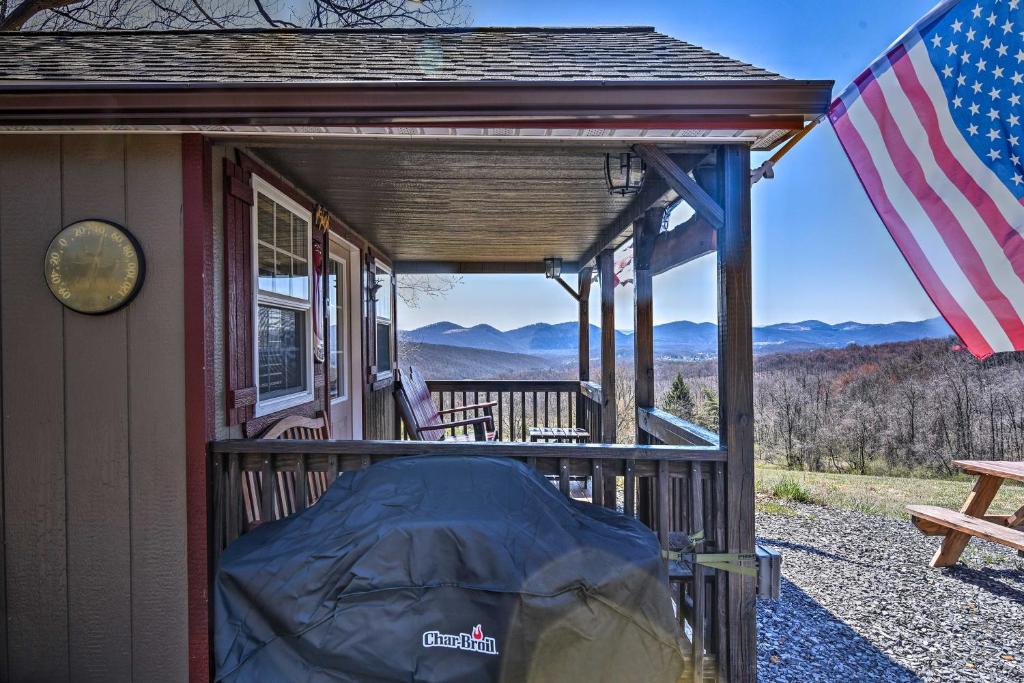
[[552, 268]]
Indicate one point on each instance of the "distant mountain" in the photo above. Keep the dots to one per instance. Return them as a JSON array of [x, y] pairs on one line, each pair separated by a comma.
[[681, 339], [441, 361]]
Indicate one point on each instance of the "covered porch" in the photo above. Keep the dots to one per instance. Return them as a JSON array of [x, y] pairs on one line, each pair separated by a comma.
[[477, 207]]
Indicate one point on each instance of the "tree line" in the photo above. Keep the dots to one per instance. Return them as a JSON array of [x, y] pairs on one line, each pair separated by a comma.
[[893, 407]]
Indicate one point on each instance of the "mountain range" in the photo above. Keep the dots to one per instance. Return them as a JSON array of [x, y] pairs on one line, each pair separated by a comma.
[[680, 339]]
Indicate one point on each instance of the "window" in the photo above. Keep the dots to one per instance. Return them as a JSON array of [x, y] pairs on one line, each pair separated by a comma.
[[384, 304], [337, 332], [281, 251]]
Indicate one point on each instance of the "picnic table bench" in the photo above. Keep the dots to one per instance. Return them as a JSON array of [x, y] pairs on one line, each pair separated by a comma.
[[972, 520]]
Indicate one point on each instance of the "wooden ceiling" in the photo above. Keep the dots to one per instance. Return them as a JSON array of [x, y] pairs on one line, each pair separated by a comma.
[[479, 202]]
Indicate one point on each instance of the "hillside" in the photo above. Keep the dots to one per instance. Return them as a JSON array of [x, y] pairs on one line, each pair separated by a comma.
[[681, 339], [439, 361]]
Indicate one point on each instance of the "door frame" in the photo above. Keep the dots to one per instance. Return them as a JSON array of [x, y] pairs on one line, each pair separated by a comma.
[[353, 274]]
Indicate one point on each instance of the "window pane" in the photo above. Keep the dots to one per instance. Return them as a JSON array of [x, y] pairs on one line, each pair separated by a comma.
[[336, 328], [282, 357], [265, 219], [383, 347], [300, 278], [265, 262], [384, 295]]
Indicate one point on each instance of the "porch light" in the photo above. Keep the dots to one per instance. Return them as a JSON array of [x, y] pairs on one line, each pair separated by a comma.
[[552, 268], [624, 173]]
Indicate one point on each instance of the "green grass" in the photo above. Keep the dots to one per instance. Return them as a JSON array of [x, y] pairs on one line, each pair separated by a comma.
[[880, 495]]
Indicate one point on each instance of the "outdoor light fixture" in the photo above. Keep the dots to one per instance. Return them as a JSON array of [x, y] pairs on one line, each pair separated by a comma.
[[624, 173], [552, 268]]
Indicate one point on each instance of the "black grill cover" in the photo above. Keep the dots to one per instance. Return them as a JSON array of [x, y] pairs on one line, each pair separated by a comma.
[[446, 569]]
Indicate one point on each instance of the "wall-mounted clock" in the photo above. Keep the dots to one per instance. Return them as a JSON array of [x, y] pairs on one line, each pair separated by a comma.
[[94, 267]]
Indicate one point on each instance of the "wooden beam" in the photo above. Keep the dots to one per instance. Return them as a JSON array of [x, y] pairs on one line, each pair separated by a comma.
[[585, 278], [686, 242], [645, 232], [609, 413], [477, 267], [679, 180], [654, 192], [565, 285], [736, 401]]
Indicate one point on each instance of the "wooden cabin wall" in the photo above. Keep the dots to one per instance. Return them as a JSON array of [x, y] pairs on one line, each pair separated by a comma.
[[93, 450]]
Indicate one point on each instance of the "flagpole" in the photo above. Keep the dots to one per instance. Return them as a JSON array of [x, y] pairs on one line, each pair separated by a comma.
[[767, 169]]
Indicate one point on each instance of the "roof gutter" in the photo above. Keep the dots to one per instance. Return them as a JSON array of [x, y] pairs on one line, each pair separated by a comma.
[[696, 103]]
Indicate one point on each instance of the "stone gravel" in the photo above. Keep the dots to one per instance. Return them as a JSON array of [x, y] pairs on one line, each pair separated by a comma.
[[860, 603]]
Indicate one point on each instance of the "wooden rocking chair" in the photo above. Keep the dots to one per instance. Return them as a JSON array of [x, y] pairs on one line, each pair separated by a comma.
[[423, 421], [290, 427]]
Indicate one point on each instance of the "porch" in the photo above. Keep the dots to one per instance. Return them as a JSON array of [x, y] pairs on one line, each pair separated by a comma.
[[677, 478]]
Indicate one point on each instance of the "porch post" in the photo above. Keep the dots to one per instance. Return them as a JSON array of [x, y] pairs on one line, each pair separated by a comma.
[[609, 418], [736, 403], [585, 277], [644, 232]]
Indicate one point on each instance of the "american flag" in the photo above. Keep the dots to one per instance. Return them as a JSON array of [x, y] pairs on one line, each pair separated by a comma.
[[935, 130]]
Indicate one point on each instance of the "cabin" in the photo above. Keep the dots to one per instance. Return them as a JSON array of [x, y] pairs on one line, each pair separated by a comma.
[[201, 233]]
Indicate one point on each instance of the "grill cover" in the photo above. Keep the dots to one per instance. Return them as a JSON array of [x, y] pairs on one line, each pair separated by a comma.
[[446, 569]]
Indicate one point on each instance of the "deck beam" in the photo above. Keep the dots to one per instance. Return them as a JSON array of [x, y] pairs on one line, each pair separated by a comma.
[[609, 409]]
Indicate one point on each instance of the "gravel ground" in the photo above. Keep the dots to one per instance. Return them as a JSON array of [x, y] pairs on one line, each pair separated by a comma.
[[860, 603]]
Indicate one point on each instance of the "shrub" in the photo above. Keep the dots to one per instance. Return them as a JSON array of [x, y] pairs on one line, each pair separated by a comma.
[[789, 488]]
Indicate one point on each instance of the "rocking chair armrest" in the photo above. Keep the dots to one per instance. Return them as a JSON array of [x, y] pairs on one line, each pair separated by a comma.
[[462, 409], [456, 423]]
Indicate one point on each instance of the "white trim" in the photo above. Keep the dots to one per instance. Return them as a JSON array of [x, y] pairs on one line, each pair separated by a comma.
[[345, 333], [381, 267], [355, 336], [260, 186]]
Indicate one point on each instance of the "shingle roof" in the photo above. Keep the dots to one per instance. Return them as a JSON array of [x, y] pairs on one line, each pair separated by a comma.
[[350, 55]]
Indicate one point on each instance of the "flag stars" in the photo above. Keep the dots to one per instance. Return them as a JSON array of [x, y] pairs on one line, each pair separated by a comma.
[[976, 87], [970, 35], [993, 135], [994, 93], [992, 19], [948, 71], [1015, 160], [981, 64], [1017, 78], [994, 154], [957, 26], [1014, 119], [958, 102], [936, 41], [993, 114], [1002, 50], [1012, 140], [952, 48], [1014, 3], [1020, 56], [976, 12], [972, 129], [1007, 27], [961, 80], [986, 42], [1017, 180], [965, 57], [1015, 99], [997, 72], [974, 108]]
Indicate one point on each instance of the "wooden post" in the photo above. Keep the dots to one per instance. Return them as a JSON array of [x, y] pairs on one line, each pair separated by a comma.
[[736, 401], [583, 289], [609, 417], [644, 232], [585, 277]]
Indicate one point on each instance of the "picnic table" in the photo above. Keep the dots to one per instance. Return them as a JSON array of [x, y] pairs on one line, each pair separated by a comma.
[[972, 520]]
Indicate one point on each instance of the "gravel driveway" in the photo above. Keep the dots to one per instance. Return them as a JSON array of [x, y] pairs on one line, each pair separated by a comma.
[[860, 603]]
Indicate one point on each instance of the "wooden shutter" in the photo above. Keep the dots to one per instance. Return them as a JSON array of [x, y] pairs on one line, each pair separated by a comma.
[[238, 323]]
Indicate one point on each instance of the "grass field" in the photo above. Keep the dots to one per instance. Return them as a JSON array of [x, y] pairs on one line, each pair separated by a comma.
[[879, 495]]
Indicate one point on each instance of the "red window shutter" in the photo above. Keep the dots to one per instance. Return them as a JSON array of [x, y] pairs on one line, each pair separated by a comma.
[[238, 322]]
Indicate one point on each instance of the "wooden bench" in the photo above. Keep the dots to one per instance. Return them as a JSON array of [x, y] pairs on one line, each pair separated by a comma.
[[971, 520]]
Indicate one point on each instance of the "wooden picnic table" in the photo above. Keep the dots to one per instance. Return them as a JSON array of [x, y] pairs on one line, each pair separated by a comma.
[[972, 520]]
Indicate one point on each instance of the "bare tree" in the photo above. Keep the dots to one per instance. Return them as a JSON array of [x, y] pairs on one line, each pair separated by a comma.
[[412, 289], [53, 15]]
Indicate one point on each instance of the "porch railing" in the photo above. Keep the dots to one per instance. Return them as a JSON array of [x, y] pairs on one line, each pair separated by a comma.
[[522, 404], [672, 489]]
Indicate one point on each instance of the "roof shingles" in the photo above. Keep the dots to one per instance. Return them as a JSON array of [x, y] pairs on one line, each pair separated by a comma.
[[351, 55]]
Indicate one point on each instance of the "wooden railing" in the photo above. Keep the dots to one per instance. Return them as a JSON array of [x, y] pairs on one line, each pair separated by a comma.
[[665, 428], [523, 404], [675, 490]]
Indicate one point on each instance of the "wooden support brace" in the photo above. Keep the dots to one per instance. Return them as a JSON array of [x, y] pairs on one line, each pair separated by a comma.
[[680, 181]]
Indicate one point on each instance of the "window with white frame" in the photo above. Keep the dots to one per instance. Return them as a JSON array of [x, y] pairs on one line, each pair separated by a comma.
[[337, 333], [282, 253], [384, 304]]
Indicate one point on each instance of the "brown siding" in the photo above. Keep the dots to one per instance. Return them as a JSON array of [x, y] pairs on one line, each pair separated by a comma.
[[380, 414], [93, 445]]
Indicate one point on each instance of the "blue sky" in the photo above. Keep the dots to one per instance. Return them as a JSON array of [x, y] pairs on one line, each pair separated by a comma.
[[820, 251]]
